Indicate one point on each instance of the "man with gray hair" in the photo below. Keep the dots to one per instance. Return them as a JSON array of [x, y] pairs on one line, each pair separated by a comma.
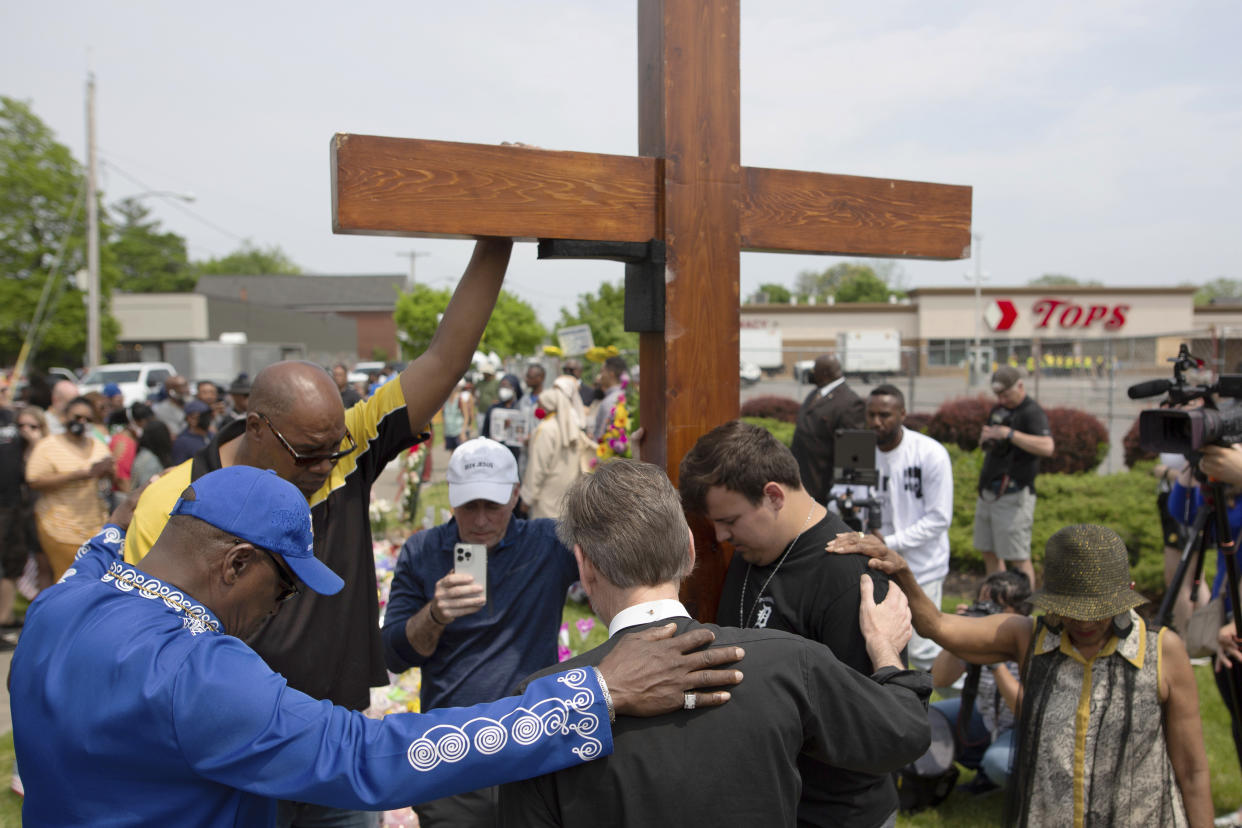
[[633, 548]]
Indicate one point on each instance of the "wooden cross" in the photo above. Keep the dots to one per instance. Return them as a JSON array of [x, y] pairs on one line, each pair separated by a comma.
[[686, 187]]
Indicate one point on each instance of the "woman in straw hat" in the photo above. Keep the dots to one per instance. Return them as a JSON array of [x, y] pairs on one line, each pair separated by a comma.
[[1109, 731]]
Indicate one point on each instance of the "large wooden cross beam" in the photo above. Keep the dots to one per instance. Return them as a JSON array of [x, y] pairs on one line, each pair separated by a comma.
[[686, 188]]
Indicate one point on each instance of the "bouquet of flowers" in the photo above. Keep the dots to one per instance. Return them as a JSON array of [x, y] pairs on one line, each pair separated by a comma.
[[616, 439]]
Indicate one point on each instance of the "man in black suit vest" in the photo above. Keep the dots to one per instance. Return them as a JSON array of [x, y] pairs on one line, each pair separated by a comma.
[[738, 764]]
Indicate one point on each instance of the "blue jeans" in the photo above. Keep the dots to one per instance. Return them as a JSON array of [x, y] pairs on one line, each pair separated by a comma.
[[969, 751], [305, 815], [997, 758]]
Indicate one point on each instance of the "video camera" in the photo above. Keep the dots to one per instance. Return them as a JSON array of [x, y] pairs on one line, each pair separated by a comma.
[[853, 451], [1186, 431]]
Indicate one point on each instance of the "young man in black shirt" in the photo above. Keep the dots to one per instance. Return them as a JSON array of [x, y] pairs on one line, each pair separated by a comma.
[[747, 483], [1015, 437]]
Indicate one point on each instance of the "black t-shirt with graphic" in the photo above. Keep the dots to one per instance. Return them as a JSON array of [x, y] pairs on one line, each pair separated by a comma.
[[814, 594], [1005, 458]]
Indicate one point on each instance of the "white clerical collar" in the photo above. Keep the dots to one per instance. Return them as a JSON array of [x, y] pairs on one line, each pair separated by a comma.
[[827, 389], [645, 613]]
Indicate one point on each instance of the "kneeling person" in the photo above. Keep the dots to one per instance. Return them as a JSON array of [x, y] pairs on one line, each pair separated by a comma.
[[633, 548]]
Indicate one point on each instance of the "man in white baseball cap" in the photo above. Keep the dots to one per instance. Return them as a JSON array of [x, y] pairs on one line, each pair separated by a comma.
[[473, 640]]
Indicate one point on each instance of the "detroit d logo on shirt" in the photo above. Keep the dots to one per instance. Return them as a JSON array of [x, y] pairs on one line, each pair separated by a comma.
[[764, 614]]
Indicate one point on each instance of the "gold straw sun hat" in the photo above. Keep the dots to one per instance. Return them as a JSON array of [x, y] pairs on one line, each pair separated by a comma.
[[1086, 575]]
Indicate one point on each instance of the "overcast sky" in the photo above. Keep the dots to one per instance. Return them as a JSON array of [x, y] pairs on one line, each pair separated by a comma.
[[1102, 139]]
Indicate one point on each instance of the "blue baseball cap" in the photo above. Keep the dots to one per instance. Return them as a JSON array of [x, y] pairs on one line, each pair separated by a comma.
[[258, 506], [111, 390]]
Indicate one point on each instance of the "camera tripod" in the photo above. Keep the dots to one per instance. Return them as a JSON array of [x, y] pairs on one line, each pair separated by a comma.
[[1214, 511]]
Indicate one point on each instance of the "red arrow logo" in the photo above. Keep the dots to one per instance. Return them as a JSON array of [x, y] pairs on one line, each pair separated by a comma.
[[1000, 315]]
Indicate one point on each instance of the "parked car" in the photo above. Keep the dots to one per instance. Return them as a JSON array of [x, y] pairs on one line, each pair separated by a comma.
[[749, 373], [136, 379]]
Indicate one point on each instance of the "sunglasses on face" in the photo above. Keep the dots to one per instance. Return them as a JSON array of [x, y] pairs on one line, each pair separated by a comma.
[[288, 583], [311, 459]]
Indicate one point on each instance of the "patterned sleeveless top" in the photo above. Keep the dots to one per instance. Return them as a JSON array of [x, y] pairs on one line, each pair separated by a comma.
[[1093, 742]]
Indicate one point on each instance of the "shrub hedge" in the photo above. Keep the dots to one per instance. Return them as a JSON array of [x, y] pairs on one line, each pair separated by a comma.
[[1081, 442], [780, 430], [958, 421], [1124, 501], [776, 407], [918, 421]]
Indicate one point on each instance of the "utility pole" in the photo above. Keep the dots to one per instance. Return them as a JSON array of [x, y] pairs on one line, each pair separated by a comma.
[[412, 255], [93, 355], [977, 371]]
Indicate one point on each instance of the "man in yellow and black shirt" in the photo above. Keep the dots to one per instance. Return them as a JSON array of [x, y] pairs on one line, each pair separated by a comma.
[[329, 646]]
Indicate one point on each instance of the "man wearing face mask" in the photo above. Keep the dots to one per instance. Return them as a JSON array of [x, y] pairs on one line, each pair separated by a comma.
[[473, 645]]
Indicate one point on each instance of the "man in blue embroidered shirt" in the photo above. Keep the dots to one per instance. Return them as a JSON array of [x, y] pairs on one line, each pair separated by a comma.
[[135, 700], [469, 648]]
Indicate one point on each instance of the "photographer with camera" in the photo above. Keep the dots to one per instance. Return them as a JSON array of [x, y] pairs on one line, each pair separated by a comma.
[[1015, 437], [983, 716], [915, 494], [1109, 731]]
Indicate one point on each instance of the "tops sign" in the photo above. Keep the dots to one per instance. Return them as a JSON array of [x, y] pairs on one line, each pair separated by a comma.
[[1058, 313]]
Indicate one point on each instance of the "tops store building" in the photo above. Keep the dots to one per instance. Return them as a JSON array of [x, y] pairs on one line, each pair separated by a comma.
[[1057, 329]]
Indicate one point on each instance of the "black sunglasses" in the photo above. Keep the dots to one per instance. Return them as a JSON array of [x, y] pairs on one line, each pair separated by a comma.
[[288, 584], [310, 459]]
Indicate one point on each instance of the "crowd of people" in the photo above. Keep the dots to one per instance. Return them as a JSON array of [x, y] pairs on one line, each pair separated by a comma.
[[210, 644], [70, 457]]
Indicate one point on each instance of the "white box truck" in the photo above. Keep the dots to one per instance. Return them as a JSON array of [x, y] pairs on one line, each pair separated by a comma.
[[763, 348], [869, 354]]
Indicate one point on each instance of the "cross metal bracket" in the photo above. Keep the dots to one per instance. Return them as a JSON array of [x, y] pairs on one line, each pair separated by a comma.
[[644, 274]]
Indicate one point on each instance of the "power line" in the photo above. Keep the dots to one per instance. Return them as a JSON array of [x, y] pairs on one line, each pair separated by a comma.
[[177, 203]]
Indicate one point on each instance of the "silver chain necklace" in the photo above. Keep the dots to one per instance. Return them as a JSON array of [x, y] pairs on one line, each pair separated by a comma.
[[741, 601]]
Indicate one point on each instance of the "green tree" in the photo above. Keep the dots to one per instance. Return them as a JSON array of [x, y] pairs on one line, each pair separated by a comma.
[[249, 260], [862, 286], [604, 311], [1222, 290], [417, 313], [42, 212], [851, 282], [513, 329], [149, 261], [1062, 280], [770, 293]]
